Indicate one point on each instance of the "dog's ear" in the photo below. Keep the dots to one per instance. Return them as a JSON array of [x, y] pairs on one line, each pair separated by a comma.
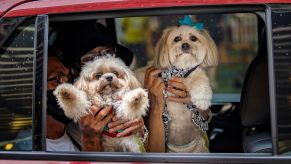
[[132, 81], [162, 50], [81, 83], [211, 58]]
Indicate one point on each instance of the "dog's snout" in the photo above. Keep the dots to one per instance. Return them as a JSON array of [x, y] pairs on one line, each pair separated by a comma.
[[109, 78], [185, 46]]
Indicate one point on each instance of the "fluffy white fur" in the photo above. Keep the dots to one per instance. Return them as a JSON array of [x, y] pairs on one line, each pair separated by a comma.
[[185, 47], [72, 100], [106, 81]]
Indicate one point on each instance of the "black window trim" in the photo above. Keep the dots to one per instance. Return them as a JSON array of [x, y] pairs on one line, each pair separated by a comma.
[[40, 83], [271, 74]]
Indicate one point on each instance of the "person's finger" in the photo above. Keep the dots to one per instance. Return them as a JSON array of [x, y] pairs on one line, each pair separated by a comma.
[[147, 72], [121, 125], [115, 123], [152, 76], [132, 122], [178, 85], [157, 83], [128, 130], [90, 116], [155, 72], [177, 92], [114, 118], [98, 126], [177, 79], [116, 128], [103, 113], [107, 119], [95, 110], [185, 100]]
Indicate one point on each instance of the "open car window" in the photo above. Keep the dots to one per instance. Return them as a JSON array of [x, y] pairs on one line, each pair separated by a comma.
[[214, 94], [239, 38]]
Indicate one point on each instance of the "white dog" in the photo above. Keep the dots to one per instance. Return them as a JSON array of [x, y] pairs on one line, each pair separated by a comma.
[[106, 81], [185, 51]]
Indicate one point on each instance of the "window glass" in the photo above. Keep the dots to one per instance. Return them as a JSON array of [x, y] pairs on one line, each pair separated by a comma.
[[7, 26], [282, 62], [234, 34], [16, 78]]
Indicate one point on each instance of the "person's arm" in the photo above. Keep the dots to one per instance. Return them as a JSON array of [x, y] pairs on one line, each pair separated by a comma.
[[91, 127], [156, 138], [155, 86]]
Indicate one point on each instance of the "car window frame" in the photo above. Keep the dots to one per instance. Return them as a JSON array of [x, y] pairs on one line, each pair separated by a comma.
[[40, 83], [40, 154]]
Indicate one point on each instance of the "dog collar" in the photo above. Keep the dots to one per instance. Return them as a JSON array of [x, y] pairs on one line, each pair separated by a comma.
[[113, 135], [190, 71], [174, 71]]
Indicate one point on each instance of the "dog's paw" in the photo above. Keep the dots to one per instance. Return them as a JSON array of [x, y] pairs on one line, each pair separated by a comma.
[[65, 92], [73, 101], [202, 104], [134, 104], [138, 98]]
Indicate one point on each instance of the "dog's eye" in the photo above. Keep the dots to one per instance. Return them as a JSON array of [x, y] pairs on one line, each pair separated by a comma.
[[98, 75], [193, 38], [115, 72], [177, 39]]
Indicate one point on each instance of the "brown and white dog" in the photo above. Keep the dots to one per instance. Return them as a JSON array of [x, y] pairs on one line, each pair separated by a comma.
[[186, 48], [106, 81]]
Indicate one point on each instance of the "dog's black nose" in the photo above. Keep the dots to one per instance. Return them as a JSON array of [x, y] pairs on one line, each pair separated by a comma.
[[109, 78], [185, 46]]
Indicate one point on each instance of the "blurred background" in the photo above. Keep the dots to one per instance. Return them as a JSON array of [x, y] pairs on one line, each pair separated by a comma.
[[234, 34]]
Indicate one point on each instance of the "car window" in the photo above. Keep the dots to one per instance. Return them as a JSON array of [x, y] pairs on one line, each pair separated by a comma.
[[237, 37], [16, 81]]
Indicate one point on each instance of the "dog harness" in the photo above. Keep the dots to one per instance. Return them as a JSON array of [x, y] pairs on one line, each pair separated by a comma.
[[197, 119]]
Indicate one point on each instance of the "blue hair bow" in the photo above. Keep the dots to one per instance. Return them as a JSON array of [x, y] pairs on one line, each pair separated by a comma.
[[188, 21]]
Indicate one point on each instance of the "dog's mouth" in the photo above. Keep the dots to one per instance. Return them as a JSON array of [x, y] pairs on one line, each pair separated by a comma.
[[190, 53], [109, 87]]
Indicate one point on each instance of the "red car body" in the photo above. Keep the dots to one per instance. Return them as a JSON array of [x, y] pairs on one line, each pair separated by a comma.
[[17, 8], [13, 8]]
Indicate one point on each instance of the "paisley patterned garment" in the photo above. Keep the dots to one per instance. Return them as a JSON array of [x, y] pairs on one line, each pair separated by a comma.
[[197, 118]]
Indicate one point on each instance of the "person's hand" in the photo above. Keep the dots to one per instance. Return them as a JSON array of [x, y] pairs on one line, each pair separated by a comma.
[[93, 123], [177, 87], [91, 127], [127, 127], [155, 85]]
